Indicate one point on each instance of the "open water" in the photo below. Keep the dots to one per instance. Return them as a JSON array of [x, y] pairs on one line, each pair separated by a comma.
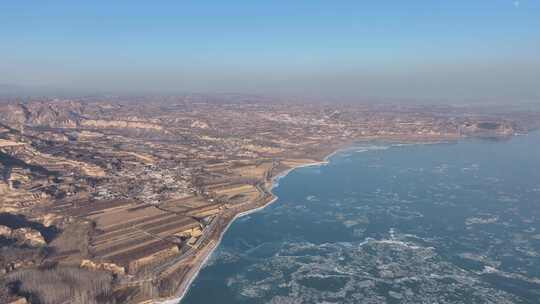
[[387, 223]]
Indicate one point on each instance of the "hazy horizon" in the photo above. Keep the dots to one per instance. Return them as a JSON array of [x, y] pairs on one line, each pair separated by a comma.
[[458, 51]]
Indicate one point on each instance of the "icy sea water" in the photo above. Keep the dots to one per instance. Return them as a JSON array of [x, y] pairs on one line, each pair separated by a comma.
[[444, 223]]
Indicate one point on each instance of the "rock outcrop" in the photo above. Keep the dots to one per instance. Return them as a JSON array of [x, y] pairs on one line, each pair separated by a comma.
[[5, 231], [19, 301], [26, 236], [64, 114], [110, 267], [120, 124]]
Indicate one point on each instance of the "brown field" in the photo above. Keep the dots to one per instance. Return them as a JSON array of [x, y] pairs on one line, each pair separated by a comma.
[[253, 171], [233, 190], [122, 214], [291, 163], [184, 204], [130, 234]]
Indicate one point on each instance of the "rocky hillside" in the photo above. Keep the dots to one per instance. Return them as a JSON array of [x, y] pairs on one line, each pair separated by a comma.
[[63, 114], [70, 114]]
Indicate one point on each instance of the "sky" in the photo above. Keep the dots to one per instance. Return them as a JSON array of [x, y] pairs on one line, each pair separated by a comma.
[[415, 49]]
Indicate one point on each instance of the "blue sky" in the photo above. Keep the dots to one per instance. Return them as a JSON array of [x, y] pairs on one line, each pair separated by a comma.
[[455, 50]]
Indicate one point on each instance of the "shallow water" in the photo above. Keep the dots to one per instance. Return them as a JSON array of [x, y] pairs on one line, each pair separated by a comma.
[[381, 223]]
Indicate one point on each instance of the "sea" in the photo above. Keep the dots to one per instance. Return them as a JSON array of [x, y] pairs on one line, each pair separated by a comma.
[[391, 223]]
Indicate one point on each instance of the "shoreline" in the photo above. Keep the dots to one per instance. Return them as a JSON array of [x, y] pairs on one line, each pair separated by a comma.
[[184, 287], [194, 272]]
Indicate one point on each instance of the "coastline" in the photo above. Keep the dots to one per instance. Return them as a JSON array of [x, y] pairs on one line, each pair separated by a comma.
[[194, 272], [209, 250]]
